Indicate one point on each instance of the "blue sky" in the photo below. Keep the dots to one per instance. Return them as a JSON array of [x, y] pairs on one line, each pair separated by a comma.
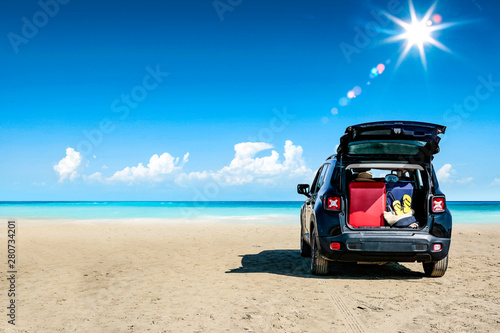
[[234, 98]]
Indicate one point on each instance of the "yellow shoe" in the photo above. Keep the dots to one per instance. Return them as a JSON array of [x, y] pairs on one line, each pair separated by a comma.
[[406, 203], [397, 207]]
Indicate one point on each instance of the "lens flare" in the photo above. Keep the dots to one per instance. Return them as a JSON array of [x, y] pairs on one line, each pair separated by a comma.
[[357, 90], [437, 18]]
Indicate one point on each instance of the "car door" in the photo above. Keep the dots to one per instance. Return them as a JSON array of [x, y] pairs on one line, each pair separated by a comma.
[[319, 180]]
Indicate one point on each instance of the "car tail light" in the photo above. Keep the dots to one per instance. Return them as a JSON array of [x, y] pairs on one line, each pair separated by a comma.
[[332, 203], [438, 204], [335, 245], [436, 247]]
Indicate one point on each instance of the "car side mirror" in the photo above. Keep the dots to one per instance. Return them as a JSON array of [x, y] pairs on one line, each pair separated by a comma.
[[303, 189]]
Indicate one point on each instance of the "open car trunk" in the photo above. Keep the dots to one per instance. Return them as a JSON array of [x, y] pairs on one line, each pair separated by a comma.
[[399, 155], [369, 198], [403, 140]]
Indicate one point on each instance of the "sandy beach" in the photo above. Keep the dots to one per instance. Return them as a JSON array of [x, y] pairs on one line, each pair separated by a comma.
[[173, 276]]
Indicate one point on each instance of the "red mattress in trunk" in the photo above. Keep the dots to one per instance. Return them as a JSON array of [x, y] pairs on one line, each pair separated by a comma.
[[366, 204]]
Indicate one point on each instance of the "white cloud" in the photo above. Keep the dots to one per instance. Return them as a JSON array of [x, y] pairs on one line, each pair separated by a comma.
[[155, 171], [445, 173], [465, 180], [68, 166], [496, 182], [95, 177], [246, 168]]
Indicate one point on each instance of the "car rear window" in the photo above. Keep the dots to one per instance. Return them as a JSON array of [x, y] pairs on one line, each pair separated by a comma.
[[392, 147]]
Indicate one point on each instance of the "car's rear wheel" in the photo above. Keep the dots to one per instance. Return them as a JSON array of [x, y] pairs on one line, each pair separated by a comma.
[[319, 265], [436, 269], [305, 248]]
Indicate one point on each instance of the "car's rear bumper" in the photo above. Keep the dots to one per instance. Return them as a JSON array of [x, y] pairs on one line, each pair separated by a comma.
[[384, 246]]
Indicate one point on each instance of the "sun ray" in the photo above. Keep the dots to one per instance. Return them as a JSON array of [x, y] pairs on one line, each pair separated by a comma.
[[422, 54], [403, 54], [412, 12], [442, 26], [439, 45], [429, 12]]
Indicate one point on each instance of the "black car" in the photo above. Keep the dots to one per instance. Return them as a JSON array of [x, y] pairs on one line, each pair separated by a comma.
[[378, 200]]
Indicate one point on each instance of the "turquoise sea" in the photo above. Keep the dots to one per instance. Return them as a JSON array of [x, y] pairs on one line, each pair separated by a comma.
[[462, 211]]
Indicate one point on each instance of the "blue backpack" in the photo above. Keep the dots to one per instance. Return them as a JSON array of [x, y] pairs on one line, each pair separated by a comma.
[[396, 191]]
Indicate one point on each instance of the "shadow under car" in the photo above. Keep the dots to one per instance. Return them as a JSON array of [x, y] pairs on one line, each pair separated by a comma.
[[290, 263]]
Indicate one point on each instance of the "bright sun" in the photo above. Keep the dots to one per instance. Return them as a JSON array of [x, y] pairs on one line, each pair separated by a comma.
[[418, 33]]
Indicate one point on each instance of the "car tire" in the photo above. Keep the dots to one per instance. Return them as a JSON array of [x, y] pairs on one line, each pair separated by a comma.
[[437, 268], [319, 265], [305, 248]]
